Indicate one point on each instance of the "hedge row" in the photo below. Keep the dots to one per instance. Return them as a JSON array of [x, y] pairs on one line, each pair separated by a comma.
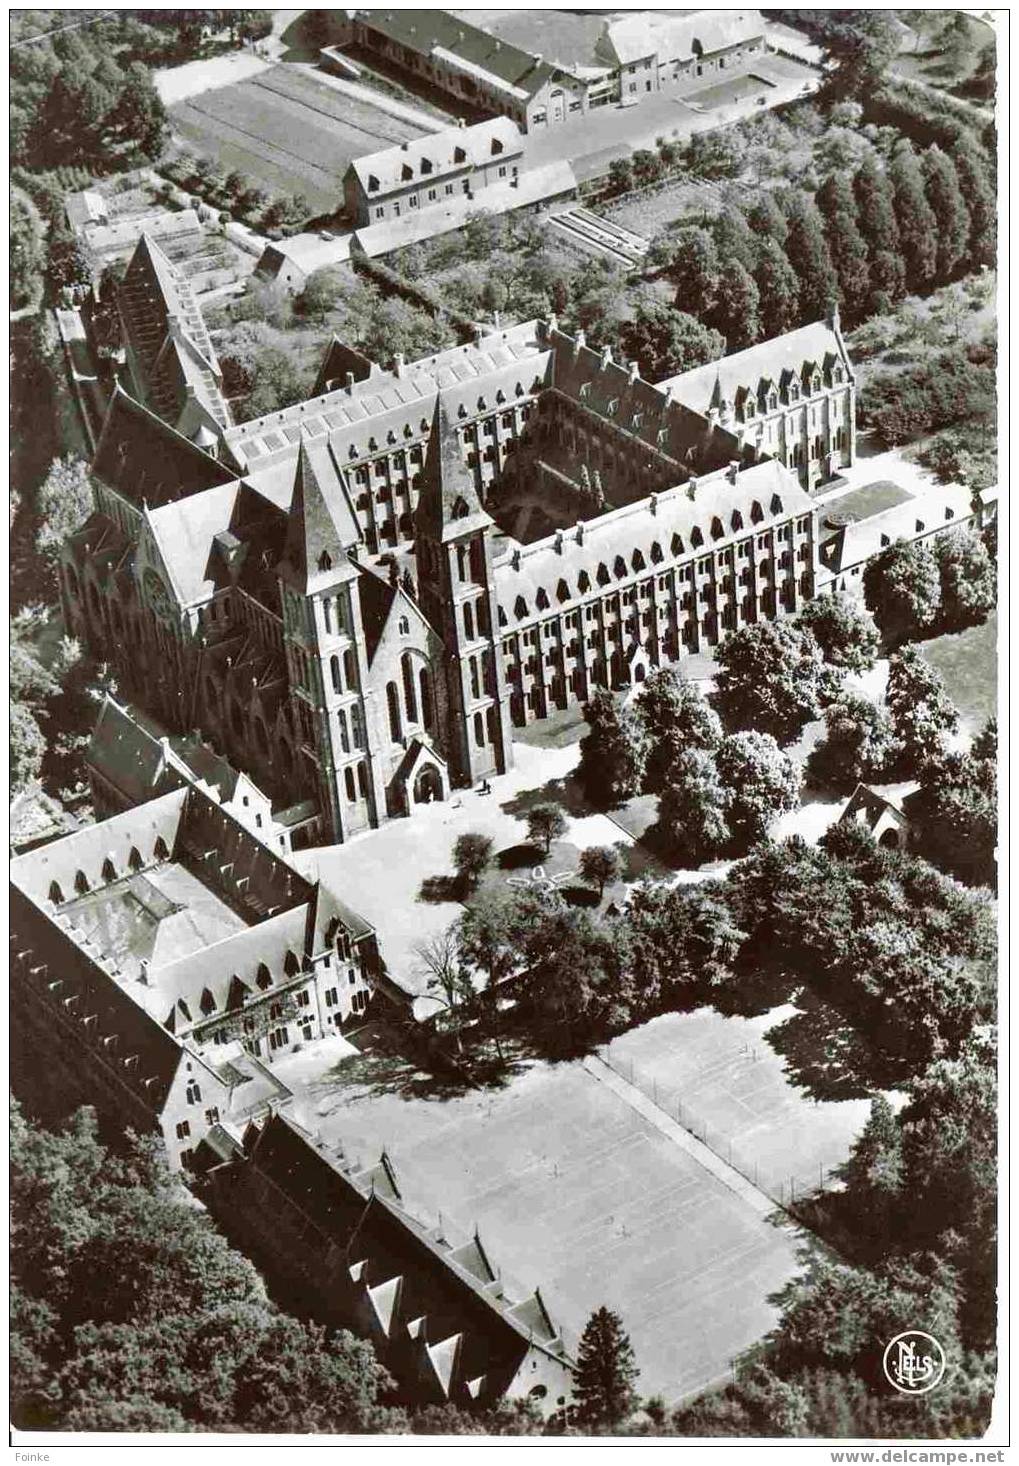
[[414, 291]]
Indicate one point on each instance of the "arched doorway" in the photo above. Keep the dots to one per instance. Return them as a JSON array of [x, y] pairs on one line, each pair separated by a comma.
[[427, 785]]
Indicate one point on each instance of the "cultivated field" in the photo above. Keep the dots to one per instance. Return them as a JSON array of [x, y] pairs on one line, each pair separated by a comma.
[[288, 130], [573, 1191]]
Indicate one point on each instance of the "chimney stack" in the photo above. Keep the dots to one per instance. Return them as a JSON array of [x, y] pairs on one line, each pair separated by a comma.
[[581, 339], [399, 363], [606, 356], [832, 316], [691, 486], [732, 472], [633, 372], [497, 318], [349, 383]]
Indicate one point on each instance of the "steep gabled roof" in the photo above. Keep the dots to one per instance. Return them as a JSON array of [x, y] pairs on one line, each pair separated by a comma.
[[318, 532], [146, 460], [448, 506], [776, 361], [436, 155]]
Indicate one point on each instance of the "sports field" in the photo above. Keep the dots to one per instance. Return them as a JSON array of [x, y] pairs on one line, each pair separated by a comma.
[[722, 1078], [575, 1192], [288, 130]]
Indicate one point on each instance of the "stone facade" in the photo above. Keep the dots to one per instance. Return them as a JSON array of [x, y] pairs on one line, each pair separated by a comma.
[[347, 600], [432, 171]]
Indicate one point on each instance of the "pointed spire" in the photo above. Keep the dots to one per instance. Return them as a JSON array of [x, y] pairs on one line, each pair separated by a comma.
[[315, 552], [448, 505]]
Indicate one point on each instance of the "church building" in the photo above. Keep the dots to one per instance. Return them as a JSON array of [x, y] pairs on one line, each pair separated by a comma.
[[355, 599]]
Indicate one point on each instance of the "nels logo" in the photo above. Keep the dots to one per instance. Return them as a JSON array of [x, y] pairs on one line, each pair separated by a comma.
[[914, 1362]]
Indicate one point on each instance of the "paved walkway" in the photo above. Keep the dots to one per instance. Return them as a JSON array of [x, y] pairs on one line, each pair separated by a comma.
[[757, 1200]]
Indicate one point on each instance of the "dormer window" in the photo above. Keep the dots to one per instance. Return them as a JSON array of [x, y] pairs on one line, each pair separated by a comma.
[[772, 401], [325, 561], [460, 509], [461, 410], [613, 407], [816, 382], [426, 165], [497, 146], [459, 156], [404, 625], [749, 408], [794, 391], [373, 183], [837, 375]]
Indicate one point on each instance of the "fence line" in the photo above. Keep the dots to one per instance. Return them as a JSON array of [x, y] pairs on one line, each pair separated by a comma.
[[787, 1189]]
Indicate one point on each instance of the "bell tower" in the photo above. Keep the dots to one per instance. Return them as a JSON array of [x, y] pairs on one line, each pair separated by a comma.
[[457, 594], [324, 644]]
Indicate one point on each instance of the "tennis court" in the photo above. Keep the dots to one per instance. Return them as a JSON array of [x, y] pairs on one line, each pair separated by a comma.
[[721, 1078], [575, 1192]]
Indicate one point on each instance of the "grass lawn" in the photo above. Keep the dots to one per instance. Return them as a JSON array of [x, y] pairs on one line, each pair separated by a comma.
[[968, 661]]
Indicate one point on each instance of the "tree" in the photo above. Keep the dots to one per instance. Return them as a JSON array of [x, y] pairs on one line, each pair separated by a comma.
[[859, 46], [902, 589], [693, 267], [779, 289], [872, 1176], [27, 256], [69, 265], [969, 581], [954, 816], [674, 714], [620, 175], [446, 981], [917, 222], [949, 208], [976, 181], [772, 677], [858, 745], [922, 712], [734, 239], [846, 636], [807, 252], [761, 782], [887, 281], [545, 823], [766, 218], [606, 1374], [27, 747], [875, 208], [666, 341], [139, 116], [611, 752], [471, 856], [737, 309], [65, 501], [694, 804], [598, 865], [849, 257]]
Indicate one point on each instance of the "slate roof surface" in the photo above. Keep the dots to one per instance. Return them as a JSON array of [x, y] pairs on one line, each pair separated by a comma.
[[676, 37], [773, 361], [422, 30], [437, 154], [632, 531], [146, 460]]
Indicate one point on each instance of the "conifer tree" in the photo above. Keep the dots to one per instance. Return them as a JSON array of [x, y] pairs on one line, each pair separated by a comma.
[[918, 226], [606, 1371], [779, 290], [875, 208], [737, 311], [974, 172], [694, 269], [766, 218], [949, 208], [807, 250], [849, 256], [734, 238], [887, 281], [836, 196]]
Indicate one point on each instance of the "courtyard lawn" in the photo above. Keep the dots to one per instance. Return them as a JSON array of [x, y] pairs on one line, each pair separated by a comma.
[[288, 131], [575, 1192], [968, 661]]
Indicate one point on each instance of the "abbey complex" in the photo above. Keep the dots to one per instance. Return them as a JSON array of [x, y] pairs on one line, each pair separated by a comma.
[[355, 600]]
